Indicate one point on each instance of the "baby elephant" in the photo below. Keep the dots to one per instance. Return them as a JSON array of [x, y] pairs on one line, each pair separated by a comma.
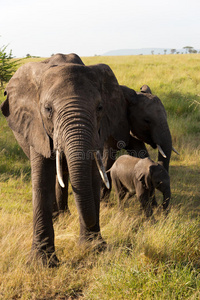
[[132, 175]]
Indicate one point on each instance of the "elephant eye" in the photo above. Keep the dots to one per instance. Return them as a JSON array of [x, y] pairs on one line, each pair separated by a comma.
[[99, 107], [147, 121], [48, 111]]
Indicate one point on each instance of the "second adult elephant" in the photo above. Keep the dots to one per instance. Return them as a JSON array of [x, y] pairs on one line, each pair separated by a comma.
[[147, 120]]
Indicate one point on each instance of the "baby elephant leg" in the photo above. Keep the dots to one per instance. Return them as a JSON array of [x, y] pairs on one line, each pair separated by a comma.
[[119, 190], [153, 198], [146, 203]]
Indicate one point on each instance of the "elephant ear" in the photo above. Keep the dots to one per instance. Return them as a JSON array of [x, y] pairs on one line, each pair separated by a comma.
[[21, 107], [145, 89], [114, 120], [141, 173], [129, 94]]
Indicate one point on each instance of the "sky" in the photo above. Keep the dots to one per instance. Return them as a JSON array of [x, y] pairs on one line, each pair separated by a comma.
[[93, 27]]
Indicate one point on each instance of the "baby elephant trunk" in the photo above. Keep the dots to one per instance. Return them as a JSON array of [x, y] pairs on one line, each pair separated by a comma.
[[166, 198]]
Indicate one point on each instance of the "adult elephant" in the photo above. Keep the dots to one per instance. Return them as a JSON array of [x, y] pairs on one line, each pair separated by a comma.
[[147, 120], [60, 107]]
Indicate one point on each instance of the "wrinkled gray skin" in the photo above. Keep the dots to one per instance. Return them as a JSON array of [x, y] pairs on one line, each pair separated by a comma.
[[61, 104], [147, 124], [132, 175]]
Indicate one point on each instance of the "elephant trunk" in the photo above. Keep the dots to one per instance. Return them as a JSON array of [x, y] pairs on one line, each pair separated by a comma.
[[165, 143], [166, 198], [80, 172], [76, 138], [99, 163]]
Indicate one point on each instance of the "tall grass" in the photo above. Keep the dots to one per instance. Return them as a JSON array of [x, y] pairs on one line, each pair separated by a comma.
[[155, 259]]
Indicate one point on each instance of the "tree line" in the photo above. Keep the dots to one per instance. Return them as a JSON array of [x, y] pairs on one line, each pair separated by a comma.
[[188, 49]]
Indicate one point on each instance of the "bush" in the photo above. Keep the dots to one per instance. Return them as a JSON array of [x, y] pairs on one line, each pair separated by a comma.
[[7, 65]]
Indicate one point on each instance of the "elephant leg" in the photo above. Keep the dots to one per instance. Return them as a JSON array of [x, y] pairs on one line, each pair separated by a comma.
[[43, 189], [153, 198], [62, 194], [120, 191], [127, 196], [145, 202], [105, 193], [61, 203], [109, 155]]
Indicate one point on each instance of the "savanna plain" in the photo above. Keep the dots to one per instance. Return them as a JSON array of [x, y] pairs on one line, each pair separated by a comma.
[[144, 259]]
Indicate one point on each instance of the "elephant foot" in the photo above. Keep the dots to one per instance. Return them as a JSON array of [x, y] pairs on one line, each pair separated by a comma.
[[100, 246], [93, 241], [43, 258], [166, 211]]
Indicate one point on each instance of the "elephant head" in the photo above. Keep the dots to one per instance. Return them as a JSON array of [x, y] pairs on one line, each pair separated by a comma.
[[148, 121], [60, 105], [60, 59], [153, 176], [161, 181]]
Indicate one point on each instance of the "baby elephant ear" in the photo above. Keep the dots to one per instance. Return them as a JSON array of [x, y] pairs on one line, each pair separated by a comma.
[[21, 108], [145, 180], [141, 172], [145, 89]]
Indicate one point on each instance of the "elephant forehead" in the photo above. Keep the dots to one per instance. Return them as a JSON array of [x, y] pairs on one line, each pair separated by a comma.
[[60, 58], [148, 99], [67, 76], [67, 71], [159, 171], [153, 101], [150, 105], [68, 81]]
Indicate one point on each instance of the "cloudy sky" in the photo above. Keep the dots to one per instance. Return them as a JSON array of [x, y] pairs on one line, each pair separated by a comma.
[[89, 27]]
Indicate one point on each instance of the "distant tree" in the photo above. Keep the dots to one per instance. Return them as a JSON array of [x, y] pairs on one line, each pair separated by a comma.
[[173, 51], [7, 65], [188, 49], [28, 55], [165, 51], [152, 52]]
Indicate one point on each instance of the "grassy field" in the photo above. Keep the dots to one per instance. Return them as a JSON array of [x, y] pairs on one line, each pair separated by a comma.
[[144, 259]]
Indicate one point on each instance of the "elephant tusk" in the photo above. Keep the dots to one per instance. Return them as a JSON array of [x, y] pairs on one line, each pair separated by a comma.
[[161, 151], [175, 150], [59, 169], [101, 169]]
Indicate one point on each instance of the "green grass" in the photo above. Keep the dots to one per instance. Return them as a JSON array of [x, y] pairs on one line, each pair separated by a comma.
[[157, 259]]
